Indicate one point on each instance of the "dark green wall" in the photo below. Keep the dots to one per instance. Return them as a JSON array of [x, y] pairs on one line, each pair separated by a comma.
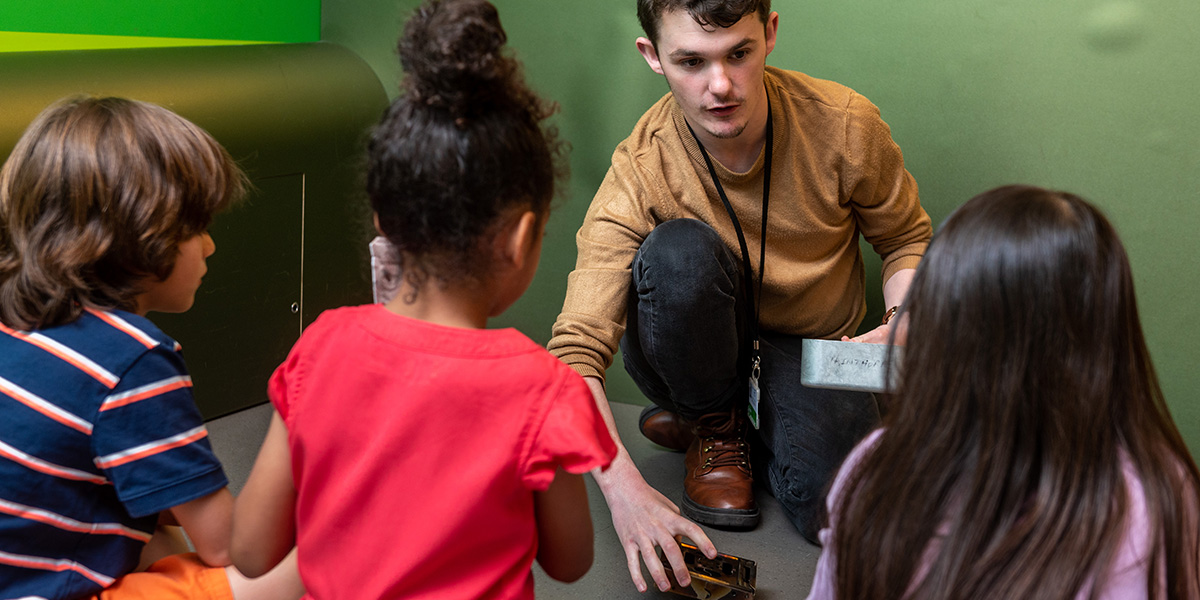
[[1094, 97]]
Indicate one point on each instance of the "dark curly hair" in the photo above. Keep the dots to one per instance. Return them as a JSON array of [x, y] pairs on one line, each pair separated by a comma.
[[708, 13], [95, 197], [463, 145]]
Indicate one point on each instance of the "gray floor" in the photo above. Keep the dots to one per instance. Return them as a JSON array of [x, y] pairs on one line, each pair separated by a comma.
[[785, 560]]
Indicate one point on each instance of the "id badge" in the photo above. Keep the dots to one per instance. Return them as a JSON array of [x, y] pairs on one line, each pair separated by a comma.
[[752, 406]]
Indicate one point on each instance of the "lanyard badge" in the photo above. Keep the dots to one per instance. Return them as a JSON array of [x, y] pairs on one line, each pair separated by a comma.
[[752, 304]]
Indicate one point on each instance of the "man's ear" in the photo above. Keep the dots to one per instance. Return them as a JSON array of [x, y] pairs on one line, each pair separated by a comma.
[[375, 220], [650, 53], [515, 240], [772, 29]]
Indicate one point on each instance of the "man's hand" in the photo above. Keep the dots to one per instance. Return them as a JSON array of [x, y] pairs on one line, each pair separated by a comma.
[[645, 519], [895, 289], [879, 335]]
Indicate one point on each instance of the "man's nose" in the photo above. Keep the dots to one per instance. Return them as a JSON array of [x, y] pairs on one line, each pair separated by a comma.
[[718, 81]]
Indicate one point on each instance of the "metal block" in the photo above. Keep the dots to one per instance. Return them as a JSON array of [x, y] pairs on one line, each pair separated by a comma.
[[848, 365]]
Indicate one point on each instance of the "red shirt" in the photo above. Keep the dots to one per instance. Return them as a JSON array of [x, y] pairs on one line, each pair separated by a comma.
[[416, 449]]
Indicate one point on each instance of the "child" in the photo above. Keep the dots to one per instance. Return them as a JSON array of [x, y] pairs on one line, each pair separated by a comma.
[[1029, 452], [104, 204], [415, 453]]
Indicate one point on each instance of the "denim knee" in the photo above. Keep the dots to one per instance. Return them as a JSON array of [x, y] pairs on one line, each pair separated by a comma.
[[684, 259], [682, 340]]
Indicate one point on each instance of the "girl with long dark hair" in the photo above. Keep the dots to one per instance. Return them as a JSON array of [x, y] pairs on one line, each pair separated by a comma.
[[1029, 453]]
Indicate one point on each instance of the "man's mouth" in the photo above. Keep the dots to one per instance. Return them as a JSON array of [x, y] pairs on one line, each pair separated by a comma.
[[723, 111]]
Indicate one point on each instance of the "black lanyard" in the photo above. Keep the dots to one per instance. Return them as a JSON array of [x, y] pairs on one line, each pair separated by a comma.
[[752, 307]]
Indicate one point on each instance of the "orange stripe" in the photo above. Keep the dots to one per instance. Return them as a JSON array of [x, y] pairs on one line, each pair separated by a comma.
[[50, 469], [136, 334], [56, 567], [93, 528], [59, 418], [105, 378], [155, 450], [158, 391]]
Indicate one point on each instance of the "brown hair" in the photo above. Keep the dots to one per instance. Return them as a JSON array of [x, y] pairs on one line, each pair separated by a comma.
[[708, 13], [96, 196], [1028, 388]]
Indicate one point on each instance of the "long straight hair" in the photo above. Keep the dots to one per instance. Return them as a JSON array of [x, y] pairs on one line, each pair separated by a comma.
[[1027, 387]]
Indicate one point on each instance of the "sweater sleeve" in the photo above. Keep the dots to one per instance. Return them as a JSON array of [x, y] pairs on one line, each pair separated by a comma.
[[881, 191], [592, 320]]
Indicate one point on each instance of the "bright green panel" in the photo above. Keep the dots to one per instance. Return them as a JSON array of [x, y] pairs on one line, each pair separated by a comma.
[[1093, 96], [37, 42], [261, 20]]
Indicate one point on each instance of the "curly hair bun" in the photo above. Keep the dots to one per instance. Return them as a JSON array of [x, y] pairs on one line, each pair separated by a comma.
[[451, 52]]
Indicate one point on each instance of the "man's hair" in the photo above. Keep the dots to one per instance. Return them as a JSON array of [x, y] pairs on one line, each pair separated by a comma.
[[1027, 394], [96, 197], [708, 13]]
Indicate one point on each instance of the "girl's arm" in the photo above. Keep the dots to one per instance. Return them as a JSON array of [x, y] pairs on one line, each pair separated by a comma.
[[564, 528], [264, 524]]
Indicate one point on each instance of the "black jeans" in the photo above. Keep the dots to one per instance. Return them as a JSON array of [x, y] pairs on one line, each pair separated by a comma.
[[682, 346]]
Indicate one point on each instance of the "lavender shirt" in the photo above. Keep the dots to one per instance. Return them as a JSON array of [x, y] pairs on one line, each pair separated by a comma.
[[1126, 581]]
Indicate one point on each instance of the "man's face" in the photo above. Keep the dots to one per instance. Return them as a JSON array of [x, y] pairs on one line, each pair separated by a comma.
[[715, 73]]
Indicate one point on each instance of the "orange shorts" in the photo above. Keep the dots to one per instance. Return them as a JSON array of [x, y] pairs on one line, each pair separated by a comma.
[[179, 577]]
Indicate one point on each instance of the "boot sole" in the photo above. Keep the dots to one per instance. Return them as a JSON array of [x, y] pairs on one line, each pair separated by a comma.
[[724, 518]]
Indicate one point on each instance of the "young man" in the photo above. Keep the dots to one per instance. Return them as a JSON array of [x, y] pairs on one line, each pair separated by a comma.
[[715, 276]]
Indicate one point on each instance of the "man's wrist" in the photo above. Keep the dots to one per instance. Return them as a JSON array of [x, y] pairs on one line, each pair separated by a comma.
[[616, 472], [891, 312]]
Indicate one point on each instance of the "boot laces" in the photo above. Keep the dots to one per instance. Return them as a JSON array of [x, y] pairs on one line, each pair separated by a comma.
[[723, 443]]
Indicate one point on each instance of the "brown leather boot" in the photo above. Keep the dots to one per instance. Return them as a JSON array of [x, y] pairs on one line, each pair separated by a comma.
[[718, 489], [665, 428]]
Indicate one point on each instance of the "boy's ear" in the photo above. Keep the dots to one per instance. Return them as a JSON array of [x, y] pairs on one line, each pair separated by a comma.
[[515, 240]]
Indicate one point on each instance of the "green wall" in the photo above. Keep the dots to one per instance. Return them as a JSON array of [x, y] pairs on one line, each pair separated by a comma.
[[91, 24], [1096, 97]]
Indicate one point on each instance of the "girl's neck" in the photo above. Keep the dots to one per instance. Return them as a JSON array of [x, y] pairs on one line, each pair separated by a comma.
[[449, 306]]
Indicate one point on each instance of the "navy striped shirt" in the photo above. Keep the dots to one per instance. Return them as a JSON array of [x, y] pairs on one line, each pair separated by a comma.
[[98, 434]]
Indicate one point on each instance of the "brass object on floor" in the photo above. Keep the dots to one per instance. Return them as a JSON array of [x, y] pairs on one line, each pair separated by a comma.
[[725, 577]]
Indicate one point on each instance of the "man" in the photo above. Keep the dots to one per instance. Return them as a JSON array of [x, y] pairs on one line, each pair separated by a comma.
[[725, 232]]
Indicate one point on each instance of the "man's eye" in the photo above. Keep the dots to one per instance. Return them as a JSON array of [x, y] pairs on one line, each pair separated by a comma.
[[690, 62], [740, 54]]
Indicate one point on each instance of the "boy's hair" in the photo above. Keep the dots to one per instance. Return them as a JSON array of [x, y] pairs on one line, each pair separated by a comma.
[[95, 198], [708, 13], [464, 144]]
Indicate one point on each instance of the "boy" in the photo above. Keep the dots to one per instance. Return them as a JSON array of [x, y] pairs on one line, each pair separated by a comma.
[[104, 206]]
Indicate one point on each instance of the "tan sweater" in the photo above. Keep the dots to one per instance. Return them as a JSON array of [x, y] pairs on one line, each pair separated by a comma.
[[836, 172]]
